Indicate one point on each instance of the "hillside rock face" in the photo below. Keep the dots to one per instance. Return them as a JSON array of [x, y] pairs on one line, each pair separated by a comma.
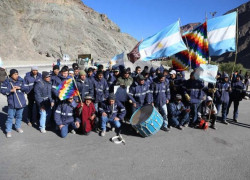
[[243, 56], [45, 29]]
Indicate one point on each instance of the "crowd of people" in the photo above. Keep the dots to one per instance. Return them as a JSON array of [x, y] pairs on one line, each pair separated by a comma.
[[181, 102]]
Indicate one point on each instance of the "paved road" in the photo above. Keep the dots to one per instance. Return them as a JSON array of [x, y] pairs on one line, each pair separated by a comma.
[[190, 154]]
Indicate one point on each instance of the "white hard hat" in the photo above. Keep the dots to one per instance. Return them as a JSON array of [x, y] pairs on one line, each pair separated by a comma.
[[172, 72]]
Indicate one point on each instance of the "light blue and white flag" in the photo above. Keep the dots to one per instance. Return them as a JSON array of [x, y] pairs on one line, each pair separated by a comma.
[[1, 62], [163, 44], [206, 72], [117, 60], [222, 34]]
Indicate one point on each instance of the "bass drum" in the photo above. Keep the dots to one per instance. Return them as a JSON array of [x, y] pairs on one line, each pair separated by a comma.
[[146, 120]]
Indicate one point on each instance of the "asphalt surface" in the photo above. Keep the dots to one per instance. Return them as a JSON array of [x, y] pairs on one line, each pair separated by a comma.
[[191, 154]]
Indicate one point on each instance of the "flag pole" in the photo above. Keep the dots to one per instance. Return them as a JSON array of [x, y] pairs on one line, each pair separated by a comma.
[[236, 43], [77, 90], [15, 91], [189, 56]]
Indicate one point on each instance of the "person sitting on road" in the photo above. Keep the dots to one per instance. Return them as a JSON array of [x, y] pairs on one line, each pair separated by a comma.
[[207, 110], [87, 114], [111, 111], [178, 114], [65, 117]]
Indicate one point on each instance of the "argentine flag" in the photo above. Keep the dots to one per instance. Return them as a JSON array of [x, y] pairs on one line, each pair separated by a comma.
[[222, 34], [117, 60], [163, 44]]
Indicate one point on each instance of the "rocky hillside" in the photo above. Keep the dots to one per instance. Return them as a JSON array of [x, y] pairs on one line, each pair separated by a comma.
[[45, 29], [244, 38]]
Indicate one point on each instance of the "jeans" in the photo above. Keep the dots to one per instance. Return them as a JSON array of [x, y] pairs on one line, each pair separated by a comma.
[[194, 112], [44, 117], [14, 113], [114, 123], [65, 129], [164, 112], [223, 110], [236, 108], [180, 120]]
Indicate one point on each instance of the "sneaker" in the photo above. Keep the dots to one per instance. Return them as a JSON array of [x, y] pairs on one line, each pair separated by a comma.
[[8, 135], [235, 120], [225, 122], [179, 127], [19, 130], [103, 133], [43, 131], [73, 131], [29, 124], [113, 129], [185, 125], [165, 129]]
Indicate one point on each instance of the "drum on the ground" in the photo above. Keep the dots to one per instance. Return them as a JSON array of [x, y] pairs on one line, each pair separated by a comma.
[[146, 120]]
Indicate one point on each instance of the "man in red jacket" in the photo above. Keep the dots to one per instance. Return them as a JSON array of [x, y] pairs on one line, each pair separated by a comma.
[[87, 114]]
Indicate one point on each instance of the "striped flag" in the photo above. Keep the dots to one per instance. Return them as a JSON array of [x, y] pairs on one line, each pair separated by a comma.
[[198, 50], [117, 60], [67, 89], [163, 44], [222, 34]]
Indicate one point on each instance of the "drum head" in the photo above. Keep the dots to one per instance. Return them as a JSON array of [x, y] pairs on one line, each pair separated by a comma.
[[142, 114]]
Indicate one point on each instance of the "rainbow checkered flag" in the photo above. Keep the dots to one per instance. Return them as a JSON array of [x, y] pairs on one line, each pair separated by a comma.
[[198, 50], [67, 89]]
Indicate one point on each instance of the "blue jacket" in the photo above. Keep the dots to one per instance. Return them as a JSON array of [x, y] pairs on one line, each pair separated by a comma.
[[159, 92], [101, 90], [56, 82], [85, 87], [223, 89], [238, 91], [148, 82], [65, 113], [43, 91], [53, 76], [176, 87], [175, 109], [112, 81], [30, 81], [139, 94], [194, 89], [12, 99], [117, 110]]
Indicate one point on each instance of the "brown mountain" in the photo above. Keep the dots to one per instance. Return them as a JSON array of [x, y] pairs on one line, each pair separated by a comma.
[[45, 29]]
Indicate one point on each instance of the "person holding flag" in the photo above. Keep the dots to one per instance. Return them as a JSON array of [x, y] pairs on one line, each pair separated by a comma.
[[13, 87], [65, 117]]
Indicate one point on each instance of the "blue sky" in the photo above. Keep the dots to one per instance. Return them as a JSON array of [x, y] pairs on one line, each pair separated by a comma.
[[143, 18]]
